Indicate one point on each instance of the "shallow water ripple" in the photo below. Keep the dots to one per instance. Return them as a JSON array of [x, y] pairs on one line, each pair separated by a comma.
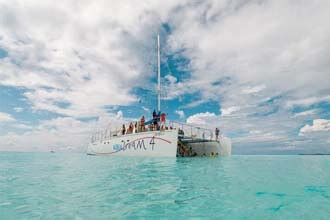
[[77, 186]]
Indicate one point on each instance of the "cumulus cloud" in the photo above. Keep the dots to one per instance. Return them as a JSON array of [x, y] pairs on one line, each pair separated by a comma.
[[260, 46], [180, 113], [258, 43], [84, 54], [60, 134], [258, 59], [205, 118], [229, 111], [266, 57], [5, 117], [318, 125]]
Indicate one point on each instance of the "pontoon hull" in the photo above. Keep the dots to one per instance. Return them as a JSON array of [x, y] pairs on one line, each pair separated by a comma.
[[211, 148]]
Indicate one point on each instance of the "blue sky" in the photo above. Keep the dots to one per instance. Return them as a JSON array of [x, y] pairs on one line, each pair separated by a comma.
[[259, 70]]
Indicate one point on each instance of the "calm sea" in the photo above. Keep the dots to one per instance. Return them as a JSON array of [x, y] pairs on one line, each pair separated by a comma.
[[77, 186]]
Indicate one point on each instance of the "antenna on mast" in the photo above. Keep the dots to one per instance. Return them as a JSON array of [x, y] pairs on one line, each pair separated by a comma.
[[158, 87]]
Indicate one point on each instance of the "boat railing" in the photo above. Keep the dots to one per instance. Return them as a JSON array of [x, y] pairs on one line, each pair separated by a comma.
[[185, 131], [106, 134]]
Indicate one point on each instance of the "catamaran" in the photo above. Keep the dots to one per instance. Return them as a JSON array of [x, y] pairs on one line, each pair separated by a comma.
[[150, 139]]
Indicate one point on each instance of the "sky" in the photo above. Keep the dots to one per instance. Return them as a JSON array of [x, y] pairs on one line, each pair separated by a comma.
[[259, 70]]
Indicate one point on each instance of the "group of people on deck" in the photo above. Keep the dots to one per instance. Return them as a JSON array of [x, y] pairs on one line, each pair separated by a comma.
[[157, 123]]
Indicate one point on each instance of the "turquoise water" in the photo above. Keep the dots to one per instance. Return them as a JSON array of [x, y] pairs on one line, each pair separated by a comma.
[[76, 186]]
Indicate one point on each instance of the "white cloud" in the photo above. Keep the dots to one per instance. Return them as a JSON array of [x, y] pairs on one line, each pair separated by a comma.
[[229, 111], [180, 113], [171, 78], [260, 137], [258, 55], [318, 125], [195, 103], [5, 117], [59, 134], [21, 126], [119, 115], [205, 118], [96, 54], [255, 89], [18, 109], [306, 113], [262, 57], [308, 101]]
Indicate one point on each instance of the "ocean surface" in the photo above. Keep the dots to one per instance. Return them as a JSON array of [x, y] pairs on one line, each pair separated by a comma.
[[77, 186]]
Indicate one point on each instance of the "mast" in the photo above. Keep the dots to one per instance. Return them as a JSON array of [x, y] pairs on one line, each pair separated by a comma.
[[158, 87]]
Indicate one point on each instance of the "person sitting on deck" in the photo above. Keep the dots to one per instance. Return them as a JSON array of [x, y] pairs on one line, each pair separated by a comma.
[[217, 131], [123, 130], [136, 127], [162, 121], [130, 129]]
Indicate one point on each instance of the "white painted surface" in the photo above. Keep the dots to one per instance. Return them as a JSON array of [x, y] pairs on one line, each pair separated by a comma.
[[150, 144], [220, 148]]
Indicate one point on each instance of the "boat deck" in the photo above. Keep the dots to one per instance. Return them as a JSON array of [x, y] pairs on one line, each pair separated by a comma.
[[195, 140], [186, 133]]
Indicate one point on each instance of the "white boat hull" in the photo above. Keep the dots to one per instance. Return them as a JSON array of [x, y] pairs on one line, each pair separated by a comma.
[[157, 144], [212, 148], [148, 144]]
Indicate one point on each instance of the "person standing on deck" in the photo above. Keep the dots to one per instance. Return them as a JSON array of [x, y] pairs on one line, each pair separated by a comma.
[[123, 130], [136, 127], [154, 115], [154, 120], [142, 124], [158, 120], [162, 121], [217, 131]]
